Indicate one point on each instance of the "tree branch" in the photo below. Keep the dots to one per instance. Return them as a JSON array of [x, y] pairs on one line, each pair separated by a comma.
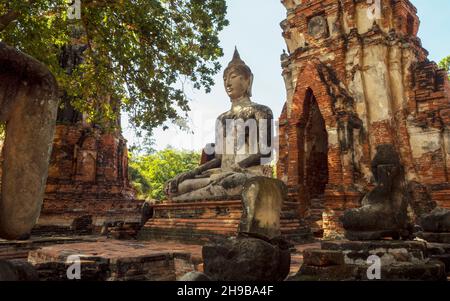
[[11, 16], [7, 18]]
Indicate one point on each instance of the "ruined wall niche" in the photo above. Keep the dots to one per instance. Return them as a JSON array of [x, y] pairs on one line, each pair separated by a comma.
[[85, 152], [315, 147], [318, 26]]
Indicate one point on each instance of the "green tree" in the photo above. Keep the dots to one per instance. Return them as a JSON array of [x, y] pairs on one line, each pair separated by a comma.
[[138, 51], [149, 173], [445, 64]]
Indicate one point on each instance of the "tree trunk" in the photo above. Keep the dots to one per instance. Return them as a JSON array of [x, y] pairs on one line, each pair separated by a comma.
[[28, 105]]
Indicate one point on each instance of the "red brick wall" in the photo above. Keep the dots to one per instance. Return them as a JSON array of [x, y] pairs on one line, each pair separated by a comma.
[[88, 176]]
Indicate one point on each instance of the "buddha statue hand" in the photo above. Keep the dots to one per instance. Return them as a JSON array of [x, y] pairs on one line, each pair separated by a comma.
[[237, 168], [171, 186]]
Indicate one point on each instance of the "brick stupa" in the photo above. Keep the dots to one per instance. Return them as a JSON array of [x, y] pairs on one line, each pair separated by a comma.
[[87, 186]]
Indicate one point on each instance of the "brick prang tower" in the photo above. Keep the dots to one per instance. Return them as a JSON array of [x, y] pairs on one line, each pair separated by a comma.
[[356, 77]]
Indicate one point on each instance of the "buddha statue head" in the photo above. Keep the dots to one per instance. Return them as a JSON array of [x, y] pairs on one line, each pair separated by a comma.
[[238, 79]]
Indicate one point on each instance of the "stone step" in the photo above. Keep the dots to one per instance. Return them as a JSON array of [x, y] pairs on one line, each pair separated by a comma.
[[179, 223], [184, 225], [174, 223], [187, 231], [197, 227]]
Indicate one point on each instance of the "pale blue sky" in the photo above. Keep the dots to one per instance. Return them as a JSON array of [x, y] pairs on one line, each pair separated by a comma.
[[254, 29]]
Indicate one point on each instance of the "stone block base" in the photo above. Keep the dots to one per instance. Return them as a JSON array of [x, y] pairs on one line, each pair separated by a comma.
[[17, 270], [203, 221], [85, 216], [443, 238], [112, 260], [440, 252], [246, 259], [347, 260], [19, 249]]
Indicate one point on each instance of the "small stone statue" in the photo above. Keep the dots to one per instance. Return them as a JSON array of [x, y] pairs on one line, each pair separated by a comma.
[[384, 210], [234, 160]]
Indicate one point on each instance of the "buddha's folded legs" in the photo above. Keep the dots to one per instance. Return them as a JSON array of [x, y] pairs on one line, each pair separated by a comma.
[[224, 186], [192, 184]]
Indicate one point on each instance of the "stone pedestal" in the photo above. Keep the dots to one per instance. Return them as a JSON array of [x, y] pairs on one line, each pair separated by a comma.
[[205, 220], [350, 260]]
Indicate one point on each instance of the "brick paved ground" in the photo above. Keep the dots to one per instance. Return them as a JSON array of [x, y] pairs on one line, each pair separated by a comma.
[[297, 255], [130, 251]]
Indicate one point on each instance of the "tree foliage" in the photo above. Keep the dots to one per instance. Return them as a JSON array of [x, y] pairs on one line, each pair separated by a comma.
[[445, 64], [149, 173], [138, 51]]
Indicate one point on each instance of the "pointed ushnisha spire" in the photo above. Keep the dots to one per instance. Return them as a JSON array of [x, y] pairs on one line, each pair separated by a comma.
[[241, 67], [236, 55], [236, 61]]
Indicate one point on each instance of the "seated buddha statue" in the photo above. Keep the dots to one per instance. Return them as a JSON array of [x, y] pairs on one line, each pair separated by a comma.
[[242, 142]]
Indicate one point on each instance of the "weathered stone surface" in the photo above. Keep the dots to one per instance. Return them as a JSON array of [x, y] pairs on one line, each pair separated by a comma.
[[322, 258], [88, 178], [373, 245], [354, 82], [400, 260], [110, 260], [19, 249], [441, 252], [357, 252], [425, 271], [443, 238], [432, 270], [445, 259], [420, 199], [327, 273], [384, 210], [28, 105], [195, 276], [437, 221], [438, 248], [147, 212], [246, 259], [17, 270], [203, 221], [262, 200]]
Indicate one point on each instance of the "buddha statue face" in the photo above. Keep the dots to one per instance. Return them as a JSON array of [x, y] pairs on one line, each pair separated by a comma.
[[238, 79], [236, 84]]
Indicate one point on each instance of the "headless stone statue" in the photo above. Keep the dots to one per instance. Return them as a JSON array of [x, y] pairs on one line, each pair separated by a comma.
[[240, 132], [384, 210]]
